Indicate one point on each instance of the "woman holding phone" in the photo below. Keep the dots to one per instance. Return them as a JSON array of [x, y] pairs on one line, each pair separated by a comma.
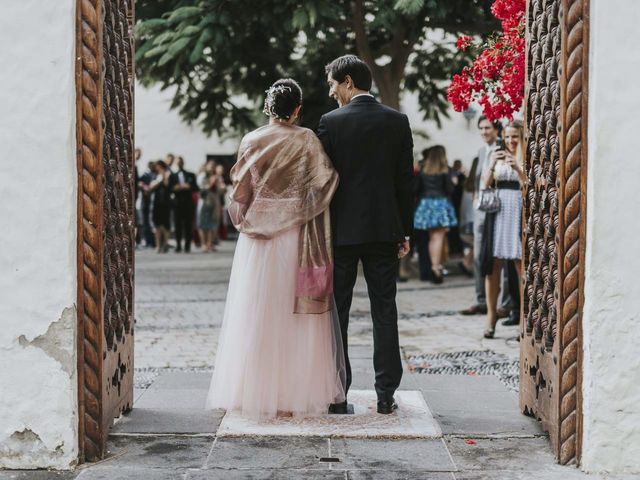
[[503, 228]]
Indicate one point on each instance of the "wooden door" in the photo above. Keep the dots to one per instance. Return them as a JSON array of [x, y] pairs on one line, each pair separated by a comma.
[[554, 219], [106, 218]]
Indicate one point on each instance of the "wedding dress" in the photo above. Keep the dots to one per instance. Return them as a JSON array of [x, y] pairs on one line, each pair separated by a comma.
[[279, 348]]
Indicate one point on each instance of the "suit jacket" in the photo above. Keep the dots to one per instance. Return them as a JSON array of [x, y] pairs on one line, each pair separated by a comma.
[[183, 197], [371, 148], [483, 158]]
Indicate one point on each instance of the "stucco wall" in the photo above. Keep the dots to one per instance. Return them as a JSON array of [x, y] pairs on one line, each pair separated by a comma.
[[459, 137], [612, 290], [38, 399], [159, 130]]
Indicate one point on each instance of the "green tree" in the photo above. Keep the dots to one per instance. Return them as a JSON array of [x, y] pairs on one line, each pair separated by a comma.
[[220, 55]]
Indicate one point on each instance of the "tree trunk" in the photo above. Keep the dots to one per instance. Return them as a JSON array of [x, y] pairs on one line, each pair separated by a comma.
[[389, 91], [388, 77]]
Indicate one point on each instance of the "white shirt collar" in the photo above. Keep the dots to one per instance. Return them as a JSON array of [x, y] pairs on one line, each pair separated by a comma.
[[361, 94]]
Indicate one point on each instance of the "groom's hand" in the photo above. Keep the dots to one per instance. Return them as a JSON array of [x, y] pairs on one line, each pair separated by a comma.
[[403, 248]]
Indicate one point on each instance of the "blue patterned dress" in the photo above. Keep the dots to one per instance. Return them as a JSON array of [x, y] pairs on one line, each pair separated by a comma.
[[434, 207]]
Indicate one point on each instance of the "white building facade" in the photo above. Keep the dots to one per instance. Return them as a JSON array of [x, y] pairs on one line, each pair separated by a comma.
[[159, 130]]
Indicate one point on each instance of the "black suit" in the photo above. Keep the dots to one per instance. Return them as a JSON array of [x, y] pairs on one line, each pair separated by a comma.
[[184, 207], [147, 230], [371, 147]]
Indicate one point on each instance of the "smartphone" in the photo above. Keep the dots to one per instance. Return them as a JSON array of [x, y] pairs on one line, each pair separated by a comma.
[[499, 145]]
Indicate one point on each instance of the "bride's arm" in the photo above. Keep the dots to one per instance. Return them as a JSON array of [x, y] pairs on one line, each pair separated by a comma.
[[241, 190], [321, 177], [323, 135]]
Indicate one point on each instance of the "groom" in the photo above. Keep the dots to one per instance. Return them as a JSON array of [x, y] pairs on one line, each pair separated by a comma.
[[371, 147]]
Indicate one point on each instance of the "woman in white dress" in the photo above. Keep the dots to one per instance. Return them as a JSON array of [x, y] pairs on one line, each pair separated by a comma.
[[504, 227], [280, 350]]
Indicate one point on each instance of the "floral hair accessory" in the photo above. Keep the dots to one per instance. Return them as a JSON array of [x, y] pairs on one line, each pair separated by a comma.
[[270, 102]]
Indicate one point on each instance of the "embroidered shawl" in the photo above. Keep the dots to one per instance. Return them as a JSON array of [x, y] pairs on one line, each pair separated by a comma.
[[284, 179]]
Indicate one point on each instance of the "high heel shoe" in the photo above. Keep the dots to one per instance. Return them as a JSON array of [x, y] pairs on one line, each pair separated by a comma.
[[438, 277], [490, 332]]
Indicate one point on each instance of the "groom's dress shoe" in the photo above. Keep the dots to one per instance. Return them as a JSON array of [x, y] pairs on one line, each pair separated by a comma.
[[338, 408], [386, 407]]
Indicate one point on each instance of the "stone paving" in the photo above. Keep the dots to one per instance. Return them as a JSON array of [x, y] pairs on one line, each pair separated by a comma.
[[481, 433], [180, 302]]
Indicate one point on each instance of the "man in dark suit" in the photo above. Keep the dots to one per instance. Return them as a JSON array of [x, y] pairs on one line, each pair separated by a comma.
[[182, 184], [371, 147]]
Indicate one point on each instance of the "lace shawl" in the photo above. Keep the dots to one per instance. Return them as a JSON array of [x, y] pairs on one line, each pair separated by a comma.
[[284, 179]]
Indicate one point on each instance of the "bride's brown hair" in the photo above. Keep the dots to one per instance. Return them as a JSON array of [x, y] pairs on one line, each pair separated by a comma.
[[283, 97]]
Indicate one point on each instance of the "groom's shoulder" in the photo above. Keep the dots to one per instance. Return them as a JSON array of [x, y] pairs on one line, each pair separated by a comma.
[[370, 108], [335, 113], [391, 113]]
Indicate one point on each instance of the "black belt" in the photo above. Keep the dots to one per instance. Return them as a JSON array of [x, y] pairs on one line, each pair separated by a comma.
[[508, 185]]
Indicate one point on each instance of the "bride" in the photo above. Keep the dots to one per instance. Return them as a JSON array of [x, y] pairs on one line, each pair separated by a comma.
[[280, 350]]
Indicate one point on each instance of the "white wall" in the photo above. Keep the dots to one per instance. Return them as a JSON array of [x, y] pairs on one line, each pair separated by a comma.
[[459, 137], [612, 293], [159, 130], [38, 391]]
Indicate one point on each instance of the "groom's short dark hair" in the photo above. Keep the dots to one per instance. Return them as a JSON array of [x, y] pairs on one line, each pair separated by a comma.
[[354, 67]]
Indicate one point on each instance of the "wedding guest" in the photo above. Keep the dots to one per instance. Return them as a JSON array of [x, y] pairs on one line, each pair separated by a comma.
[[182, 185], [406, 270], [222, 185], [457, 178], [161, 205], [434, 214], [502, 239], [145, 180], [465, 220], [489, 131], [170, 159], [195, 198], [136, 194], [209, 208]]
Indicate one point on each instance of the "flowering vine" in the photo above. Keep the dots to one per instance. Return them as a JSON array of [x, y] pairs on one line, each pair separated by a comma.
[[496, 78]]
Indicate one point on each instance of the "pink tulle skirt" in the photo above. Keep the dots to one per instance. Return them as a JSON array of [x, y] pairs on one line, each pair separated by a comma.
[[269, 359]]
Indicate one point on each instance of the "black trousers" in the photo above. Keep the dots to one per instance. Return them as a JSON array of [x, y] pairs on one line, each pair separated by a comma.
[[147, 231], [514, 287], [380, 265], [424, 260], [184, 213]]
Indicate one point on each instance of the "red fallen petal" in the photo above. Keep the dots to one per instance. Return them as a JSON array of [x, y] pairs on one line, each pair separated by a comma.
[[470, 442], [472, 373]]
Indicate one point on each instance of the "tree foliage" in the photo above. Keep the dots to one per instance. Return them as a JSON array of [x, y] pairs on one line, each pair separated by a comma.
[[220, 55]]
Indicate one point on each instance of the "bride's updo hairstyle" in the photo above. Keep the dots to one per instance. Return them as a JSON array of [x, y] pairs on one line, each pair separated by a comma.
[[283, 97]]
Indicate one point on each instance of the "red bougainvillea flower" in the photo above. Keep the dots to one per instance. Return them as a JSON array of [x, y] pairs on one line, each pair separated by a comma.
[[463, 42], [496, 77]]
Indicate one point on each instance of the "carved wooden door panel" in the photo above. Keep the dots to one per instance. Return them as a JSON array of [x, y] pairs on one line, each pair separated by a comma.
[[106, 218], [554, 220]]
